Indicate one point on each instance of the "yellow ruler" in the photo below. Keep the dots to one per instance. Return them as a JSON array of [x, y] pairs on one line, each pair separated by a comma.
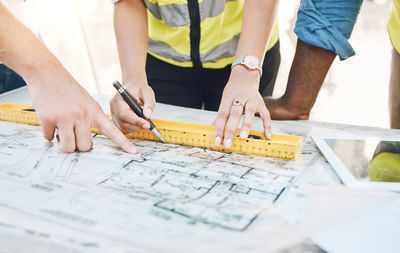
[[280, 146]]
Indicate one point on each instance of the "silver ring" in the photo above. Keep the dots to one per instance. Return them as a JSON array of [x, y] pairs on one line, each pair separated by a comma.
[[237, 103]]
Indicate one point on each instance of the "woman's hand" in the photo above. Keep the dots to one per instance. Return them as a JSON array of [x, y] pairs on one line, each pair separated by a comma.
[[240, 96], [122, 114]]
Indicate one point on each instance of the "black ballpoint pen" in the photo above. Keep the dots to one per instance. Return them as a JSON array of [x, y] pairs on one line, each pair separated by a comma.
[[134, 105]]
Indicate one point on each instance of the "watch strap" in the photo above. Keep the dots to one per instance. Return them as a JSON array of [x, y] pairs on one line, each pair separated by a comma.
[[240, 60], [237, 61]]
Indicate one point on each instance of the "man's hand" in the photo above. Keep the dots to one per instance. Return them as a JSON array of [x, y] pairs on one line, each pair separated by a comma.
[[123, 115], [281, 110], [66, 109], [243, 88], [309, 68], [61, 103]]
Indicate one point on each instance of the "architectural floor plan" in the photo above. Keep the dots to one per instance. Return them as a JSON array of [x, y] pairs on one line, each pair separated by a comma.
[[169, 198], [166, 191]]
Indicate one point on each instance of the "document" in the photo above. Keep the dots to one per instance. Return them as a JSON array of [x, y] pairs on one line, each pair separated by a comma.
[[169, 198], [370, 230], [164, 194]]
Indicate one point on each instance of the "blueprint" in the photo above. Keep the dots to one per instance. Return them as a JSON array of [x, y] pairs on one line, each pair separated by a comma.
[[167, 191], [169, 198]]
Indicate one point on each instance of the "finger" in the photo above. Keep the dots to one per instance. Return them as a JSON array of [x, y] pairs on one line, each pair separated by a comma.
[[250, 111], [127, 119], [232, 124], [132, 125], [266, 119], [127, 128], [83, 138], [111, 131], [116, 123], [220, 121], [48, 130], [57, 136], [67, 138], [149, 101], [114, 112]]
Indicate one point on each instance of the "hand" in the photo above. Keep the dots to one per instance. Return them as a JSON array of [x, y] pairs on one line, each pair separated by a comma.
[[122, 114], [62, 104], [280, 109], [243, 87]]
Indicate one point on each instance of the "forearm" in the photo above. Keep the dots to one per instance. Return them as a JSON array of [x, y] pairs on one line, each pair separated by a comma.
[[323, 28], [307, 74], [258, 21], [22, 51], [257, 25], [130, 22], [60, 102]]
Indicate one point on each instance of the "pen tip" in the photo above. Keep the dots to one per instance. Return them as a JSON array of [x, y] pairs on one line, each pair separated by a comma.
[[158, 134], [117, 85], [161, 138]]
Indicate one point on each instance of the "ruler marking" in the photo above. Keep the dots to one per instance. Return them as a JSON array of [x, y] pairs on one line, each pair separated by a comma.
[[202, 136]]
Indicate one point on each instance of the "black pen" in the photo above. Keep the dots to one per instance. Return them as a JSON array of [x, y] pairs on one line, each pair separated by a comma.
[[134, 105]]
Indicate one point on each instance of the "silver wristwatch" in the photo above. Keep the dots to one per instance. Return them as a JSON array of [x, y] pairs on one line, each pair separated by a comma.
[[250, 62]]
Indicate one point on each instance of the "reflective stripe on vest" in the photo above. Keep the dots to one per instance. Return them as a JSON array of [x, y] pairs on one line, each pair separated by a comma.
[[224, 50], [164, 50], [221, 21], [178, 15], [394, 25]]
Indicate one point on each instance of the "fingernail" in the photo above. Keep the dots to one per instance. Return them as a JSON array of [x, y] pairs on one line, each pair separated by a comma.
[[148, 113], [228, 143], [217, 141], [269, 136], [146, 125], [243, 134]]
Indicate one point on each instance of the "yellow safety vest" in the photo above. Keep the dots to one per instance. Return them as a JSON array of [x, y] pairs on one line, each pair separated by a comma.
[[199, 33], [394, 25]]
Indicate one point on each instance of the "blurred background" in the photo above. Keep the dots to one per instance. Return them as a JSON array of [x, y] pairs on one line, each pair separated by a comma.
[[80, 34]]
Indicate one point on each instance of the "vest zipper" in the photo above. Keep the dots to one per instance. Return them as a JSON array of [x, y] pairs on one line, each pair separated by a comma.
[[194, 14]]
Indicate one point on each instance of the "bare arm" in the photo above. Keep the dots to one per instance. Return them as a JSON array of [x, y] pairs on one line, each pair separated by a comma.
[[61, 103], [309, 68], [20, 49], [258, 21], [130, 22]]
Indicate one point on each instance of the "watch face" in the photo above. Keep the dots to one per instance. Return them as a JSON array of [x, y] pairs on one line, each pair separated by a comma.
[[251, 62]]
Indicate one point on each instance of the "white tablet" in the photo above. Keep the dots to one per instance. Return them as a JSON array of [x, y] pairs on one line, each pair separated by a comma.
[[368, 162]]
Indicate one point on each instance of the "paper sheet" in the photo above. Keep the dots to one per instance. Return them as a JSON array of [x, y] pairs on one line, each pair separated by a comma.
[[170, 198], [370, 230], [166, 193]]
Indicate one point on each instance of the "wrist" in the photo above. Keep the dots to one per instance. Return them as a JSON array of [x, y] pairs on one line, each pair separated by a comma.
[[135, 82], [33, 67], [250, 62], [297, 107], [44, 73], [241, 72]]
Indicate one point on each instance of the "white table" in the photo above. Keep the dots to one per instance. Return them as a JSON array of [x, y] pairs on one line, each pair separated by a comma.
[[318, 172]]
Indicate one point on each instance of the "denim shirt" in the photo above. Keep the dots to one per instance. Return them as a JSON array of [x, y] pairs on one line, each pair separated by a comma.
[[328, 24]]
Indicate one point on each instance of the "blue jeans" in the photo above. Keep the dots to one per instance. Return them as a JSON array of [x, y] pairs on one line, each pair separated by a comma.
[[328, 24], [9, 80]]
